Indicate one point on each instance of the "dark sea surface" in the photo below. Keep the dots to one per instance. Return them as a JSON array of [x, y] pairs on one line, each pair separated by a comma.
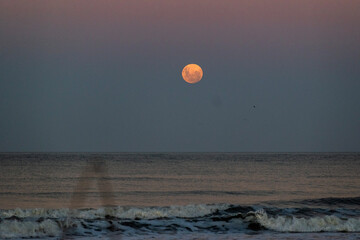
[[180, 195]]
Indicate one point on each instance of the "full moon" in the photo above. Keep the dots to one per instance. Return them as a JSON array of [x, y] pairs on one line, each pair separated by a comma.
[[192, 73]]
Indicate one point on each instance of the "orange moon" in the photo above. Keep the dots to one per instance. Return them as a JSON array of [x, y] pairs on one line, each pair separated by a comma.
[[192, 73]]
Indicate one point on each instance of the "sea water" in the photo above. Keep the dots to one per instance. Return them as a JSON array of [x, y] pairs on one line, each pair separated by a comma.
[[180, 195]]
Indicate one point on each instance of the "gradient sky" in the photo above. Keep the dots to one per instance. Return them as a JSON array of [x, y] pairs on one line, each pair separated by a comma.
[[92, 75]]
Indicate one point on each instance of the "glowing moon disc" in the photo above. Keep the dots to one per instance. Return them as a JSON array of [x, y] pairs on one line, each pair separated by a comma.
[[192, 73]]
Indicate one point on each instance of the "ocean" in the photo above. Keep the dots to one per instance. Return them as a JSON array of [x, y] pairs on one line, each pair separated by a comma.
[[180, 196]]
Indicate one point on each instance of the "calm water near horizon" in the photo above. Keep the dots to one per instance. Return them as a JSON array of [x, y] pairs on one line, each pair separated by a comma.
[[181, 194]]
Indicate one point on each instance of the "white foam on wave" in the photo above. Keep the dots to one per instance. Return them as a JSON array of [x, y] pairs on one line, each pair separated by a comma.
[[39, 223], [328, 223], [18, 229], [20, 223], [35, 212], [195, 210]]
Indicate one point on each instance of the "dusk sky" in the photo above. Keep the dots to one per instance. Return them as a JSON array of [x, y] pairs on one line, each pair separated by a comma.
[[91, 75]]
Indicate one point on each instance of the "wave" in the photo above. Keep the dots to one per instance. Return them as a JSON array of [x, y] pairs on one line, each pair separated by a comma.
[[188, 211], [329, 223], [199, 218], [353, 201]]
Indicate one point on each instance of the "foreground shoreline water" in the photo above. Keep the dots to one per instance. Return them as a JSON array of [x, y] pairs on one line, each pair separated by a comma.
[[179, 196], [208, 220]]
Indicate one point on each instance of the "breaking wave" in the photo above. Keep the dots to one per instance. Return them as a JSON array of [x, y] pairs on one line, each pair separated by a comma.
[[200, 218], [329, 223]]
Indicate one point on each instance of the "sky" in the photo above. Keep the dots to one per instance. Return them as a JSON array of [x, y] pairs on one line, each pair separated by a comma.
[[90, 76]]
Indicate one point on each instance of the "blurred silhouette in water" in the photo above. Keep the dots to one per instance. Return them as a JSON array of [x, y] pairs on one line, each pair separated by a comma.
[[95, 169]]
